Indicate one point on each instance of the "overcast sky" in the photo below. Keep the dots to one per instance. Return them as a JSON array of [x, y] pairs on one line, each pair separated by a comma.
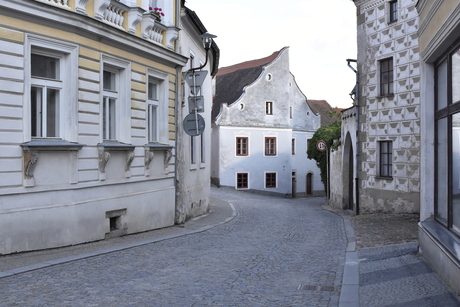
[[321, 35]]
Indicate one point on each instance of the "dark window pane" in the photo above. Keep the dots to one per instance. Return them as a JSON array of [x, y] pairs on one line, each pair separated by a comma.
[[44, 67], [441, 170]]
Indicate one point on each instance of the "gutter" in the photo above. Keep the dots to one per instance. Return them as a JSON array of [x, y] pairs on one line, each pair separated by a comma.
[[356, 89]]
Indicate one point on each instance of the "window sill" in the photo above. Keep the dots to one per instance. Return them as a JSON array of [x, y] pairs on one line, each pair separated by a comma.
[[384, 178], [115, 145], [443, 236], [51, 145], [386, 96], [158, 147]]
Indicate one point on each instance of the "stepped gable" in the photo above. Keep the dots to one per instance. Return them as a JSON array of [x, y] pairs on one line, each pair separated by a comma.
[[231, 80]]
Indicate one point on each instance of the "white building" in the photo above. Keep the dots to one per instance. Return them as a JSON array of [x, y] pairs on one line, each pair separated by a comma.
[[262, 123], [194, 155]]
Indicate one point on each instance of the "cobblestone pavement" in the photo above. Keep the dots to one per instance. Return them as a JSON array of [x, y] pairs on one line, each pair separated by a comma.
[[391, 271], [396, 276], [276, 252]]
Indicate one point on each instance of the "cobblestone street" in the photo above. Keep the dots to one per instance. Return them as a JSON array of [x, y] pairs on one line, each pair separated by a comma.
[[276, 252]]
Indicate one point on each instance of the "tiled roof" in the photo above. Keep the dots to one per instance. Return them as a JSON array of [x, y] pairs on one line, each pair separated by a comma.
[[231, 80], [323, 108]]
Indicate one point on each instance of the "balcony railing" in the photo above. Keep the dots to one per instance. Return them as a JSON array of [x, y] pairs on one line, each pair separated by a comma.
[[125, 17]]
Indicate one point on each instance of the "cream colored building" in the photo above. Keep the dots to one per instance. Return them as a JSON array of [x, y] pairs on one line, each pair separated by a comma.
[[439, 227], [88, 98]]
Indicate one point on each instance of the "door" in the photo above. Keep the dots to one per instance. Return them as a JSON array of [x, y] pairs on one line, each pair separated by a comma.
[[309, 183]]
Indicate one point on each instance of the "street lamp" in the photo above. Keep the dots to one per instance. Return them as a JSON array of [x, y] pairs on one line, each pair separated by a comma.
[[207, 41]]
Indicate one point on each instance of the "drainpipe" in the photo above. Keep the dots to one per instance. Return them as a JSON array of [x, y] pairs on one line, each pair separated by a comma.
[[357, 133]]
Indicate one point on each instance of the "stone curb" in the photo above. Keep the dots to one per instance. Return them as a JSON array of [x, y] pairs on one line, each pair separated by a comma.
[[121, 247]]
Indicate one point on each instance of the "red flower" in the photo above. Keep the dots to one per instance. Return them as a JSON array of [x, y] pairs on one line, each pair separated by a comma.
[[150, 8]]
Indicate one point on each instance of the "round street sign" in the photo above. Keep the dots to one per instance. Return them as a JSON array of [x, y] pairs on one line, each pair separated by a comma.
[[194, 124], [321, 145]]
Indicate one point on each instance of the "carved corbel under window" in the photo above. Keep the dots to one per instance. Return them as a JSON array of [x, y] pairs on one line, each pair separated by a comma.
[[150, 149], [31, 156], [104, 150]]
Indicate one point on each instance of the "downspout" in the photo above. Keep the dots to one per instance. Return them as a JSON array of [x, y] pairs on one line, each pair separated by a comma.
[[357, 133]]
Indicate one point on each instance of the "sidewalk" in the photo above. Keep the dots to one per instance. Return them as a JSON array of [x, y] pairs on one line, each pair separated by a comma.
[[220, 212], [383, 266]]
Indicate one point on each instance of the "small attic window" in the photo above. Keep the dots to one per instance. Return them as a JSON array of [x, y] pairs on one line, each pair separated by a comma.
[[290, 84], [240, 106], [308, 113], [269, 77]]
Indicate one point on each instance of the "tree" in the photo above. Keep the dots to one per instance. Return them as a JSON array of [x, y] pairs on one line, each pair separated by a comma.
[[330, 134]]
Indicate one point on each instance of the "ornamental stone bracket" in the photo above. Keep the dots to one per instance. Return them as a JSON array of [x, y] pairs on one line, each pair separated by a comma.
[[31, 156], [150, 149], [104, 150], [81, 6], [172, 34], [134, 17]]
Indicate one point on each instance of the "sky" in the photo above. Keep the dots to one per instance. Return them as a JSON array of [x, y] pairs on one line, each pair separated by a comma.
[[321, 35]]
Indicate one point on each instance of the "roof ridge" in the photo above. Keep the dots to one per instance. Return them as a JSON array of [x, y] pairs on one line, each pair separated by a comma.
[[249, 64]]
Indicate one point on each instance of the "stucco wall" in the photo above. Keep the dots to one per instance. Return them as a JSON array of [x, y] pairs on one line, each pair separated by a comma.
[[393, 118]]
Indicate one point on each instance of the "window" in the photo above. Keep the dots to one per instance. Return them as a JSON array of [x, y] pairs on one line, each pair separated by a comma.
[[202, 148], [270, 180], [115, 100], [393, 11], [293, 146], [109, 103], [386, 77], [290, 112], [152, 109], [242, 180], [45, 95], [242, 146], [386, 159], [192, 150], [268, 108], [270, 146], [447, 143]]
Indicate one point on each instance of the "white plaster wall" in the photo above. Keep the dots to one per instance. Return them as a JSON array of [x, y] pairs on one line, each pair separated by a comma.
[[302, 165], [256, 163], [66, 216], [194, 181]]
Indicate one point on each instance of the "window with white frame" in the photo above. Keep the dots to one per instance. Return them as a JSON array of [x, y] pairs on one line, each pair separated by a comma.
[[268, 108], [270, 146], [51, 70], [202, 149], [45, 94], [270, 180], [152, 109], [242, 146], [115, 100], [109, 103], [242, 180]]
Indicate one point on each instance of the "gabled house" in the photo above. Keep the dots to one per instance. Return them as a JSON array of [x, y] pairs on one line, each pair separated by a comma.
[[261, 126], [381, 133], [88, 97]]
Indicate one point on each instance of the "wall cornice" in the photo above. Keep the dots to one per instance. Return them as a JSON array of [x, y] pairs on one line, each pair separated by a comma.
[[83, 25]]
